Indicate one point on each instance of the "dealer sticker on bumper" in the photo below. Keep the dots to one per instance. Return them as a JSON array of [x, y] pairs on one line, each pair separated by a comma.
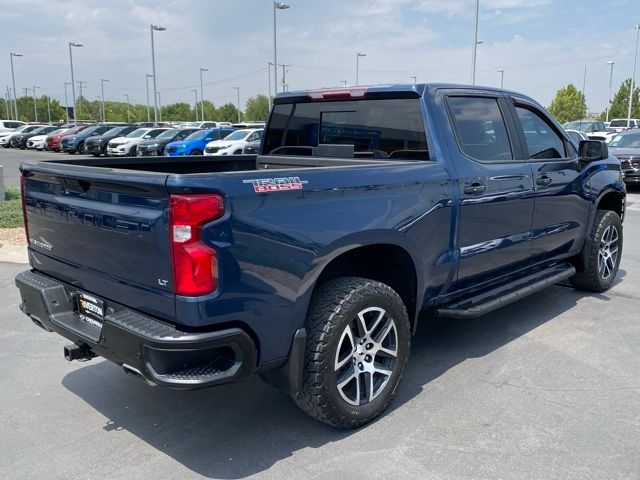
[[90, 309]]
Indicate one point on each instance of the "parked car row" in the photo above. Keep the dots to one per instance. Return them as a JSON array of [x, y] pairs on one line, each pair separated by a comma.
[[120, 139], [597, 130]]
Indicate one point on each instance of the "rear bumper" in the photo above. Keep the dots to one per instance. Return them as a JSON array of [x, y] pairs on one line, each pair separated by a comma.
[[158, 352]]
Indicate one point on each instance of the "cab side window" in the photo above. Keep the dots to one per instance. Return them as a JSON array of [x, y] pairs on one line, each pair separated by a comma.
[[542, 140], [480, 128]]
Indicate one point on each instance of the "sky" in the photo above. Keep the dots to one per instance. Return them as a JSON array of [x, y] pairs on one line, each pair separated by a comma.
[[541, 44]]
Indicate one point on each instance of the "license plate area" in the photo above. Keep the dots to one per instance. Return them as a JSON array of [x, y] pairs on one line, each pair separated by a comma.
[[90, 309]]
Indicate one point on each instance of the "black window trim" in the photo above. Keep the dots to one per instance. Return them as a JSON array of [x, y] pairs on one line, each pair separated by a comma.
[[553, 124], [514, 142]]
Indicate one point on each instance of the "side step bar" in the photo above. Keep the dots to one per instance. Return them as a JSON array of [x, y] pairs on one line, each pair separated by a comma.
[[488, 301]]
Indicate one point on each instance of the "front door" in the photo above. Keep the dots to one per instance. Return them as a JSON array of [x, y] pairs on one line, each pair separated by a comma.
[[561, 211]]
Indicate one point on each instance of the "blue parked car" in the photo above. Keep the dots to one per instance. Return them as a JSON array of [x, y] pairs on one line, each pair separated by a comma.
[[75, 143], [194, 144]]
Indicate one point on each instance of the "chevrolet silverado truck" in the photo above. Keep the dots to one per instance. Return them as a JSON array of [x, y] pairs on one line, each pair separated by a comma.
[[311, 263]]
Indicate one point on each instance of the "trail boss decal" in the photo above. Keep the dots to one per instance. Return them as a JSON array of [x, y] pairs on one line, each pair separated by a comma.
[[261, 185]]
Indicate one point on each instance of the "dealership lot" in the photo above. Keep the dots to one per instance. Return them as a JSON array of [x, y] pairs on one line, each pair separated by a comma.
[[548, 387]]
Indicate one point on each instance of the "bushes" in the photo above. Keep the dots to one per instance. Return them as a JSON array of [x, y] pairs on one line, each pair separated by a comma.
[[11, 209]]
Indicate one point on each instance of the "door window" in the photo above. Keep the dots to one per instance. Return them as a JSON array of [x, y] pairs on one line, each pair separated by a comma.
[[542, 140], [480, 128]]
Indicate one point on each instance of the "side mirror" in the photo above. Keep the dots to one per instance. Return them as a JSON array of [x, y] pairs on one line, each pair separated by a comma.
[[592, 150], [147, 136]]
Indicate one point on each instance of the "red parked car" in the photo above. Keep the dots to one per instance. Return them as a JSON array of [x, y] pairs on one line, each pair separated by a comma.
[[53, 141]]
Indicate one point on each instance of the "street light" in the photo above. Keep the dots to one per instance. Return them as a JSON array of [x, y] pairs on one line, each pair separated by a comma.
[[195, 105], [475, 42], [276, 6], [501, 71], [159, 105], [269, 77], [148, 107], [66, 102], [201, 97], [35, 103], [415, 79], [633, 77], [49, 108], [344, 83], [358, 55], [237, 89], [126, 95], [157, 28], [73, 82], [610, 63], [13, 78], [102, 80]]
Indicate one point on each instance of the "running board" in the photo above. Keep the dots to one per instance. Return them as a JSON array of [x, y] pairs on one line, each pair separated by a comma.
[[488, 301]]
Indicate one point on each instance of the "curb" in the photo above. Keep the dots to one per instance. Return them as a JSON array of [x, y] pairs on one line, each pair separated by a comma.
[[13, 253]]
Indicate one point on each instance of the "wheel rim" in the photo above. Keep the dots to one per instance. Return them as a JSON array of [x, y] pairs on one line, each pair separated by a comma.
[[366, 356], [608, 255]]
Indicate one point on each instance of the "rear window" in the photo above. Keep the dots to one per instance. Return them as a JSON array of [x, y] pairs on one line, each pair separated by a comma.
[[390, 128]]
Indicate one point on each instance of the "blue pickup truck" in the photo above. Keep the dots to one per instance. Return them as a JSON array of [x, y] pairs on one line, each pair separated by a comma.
[[311, 263]]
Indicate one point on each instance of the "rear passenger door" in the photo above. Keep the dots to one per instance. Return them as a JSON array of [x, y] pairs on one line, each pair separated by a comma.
[[561, 212], [495, 187]]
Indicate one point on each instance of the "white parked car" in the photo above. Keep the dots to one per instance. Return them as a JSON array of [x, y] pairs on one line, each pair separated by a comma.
[[577, 135], [201, 125], [594, 129], [619, 124], [233, 143], [5, 137], [126, 146], [10, 125], [39, 142]]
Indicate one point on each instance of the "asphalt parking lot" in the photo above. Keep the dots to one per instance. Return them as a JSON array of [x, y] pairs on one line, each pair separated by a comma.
[[546, 388]]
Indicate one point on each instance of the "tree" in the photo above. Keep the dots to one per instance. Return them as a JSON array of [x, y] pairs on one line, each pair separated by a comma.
[[227, 113], [257, 108], [568, 104], [177, 111], [210, 112], [620, 102]]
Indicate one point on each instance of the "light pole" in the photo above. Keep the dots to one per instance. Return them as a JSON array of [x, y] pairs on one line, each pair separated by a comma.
[[102, 80], [344, 83], [153, 65], [148, 107], [633, 77], [13, 78], [35, 103], [276, 6], [195, 105], [269, 76], [237, 89], [358, 55], [73, 82], [610, 63], [475, 42], [66, 102], [126, 95], [201, 96], [501, 72], [584, 86], [159, 105], [49, 108], [415, 79]]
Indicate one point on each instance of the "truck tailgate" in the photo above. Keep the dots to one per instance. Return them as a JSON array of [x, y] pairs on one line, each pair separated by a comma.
[[102, 231]]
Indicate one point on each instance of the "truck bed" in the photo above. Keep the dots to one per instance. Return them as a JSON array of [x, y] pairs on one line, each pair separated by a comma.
[[202, 164]]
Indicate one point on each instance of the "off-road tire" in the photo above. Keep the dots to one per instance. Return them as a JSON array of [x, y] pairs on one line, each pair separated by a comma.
[[590, 278], [333, 306]]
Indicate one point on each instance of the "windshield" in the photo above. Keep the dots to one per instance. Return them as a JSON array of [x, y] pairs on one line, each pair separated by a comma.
[[199, 135], [580, 126], [168, 133], [60, 130], [238, 135], [629, 140], [618, 123], [137, 133], [115, 130], [386, 128], [90, 130]]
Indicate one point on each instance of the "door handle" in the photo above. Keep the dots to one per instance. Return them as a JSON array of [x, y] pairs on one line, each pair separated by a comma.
[[543, 181], [474, 189]]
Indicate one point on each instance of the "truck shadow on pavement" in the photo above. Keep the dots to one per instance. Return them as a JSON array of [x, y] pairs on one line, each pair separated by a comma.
[[241, 429]]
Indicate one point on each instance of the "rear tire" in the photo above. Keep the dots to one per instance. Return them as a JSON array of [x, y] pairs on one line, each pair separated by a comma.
[[133, 152], [196, 152], [357, 347], [601, 254]]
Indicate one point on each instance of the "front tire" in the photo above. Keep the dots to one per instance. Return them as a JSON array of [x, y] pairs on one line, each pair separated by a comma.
[[601, 254], [80, 148], [357, 347]]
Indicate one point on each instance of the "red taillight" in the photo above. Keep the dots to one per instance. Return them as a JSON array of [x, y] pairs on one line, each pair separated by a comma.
[[24, 209], [336, 93], [195, 264]]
